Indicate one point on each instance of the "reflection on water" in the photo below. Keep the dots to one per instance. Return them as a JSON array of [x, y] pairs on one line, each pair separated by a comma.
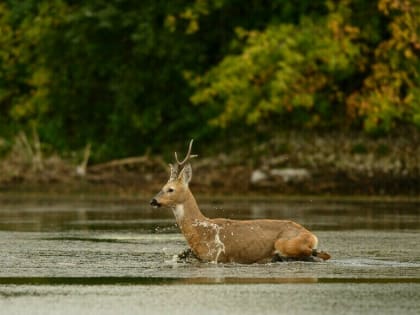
[[93, 281], [136, 215], [160, 280]]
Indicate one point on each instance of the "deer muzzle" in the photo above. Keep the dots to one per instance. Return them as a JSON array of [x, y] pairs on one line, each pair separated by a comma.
[[154, 203]]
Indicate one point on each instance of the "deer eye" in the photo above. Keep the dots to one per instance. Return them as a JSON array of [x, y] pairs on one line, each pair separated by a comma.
[[170, 190]]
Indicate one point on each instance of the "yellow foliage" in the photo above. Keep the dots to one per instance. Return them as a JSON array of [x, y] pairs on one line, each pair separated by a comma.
[[381, 99], [170, 22]]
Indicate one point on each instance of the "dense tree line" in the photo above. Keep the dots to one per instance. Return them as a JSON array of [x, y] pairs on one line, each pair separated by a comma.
[[128, 75]]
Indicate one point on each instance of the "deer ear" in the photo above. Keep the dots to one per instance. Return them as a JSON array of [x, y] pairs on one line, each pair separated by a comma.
[[174, 171], [186, 174]]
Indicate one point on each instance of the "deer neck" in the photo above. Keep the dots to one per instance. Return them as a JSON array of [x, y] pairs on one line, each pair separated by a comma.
[[187, 212]]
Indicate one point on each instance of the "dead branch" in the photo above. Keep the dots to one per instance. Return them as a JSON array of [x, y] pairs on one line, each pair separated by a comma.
[[81, 169], [37, 157], [120, 162]]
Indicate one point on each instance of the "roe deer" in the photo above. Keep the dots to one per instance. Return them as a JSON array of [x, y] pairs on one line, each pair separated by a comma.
[[224, 240]]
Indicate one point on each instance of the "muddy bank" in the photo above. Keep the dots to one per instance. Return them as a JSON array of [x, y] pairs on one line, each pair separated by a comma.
[[294, 163]]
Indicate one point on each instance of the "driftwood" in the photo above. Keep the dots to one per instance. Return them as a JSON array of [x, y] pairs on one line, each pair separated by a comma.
[[144, 159]]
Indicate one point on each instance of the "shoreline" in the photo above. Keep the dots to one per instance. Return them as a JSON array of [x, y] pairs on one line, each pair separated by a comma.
[[289, 164], [106, 196]]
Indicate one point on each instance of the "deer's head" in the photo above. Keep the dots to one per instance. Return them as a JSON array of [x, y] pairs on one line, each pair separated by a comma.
[[173, 192]]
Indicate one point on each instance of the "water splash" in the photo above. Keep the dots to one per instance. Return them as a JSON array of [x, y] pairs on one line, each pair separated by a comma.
[[219, 246]]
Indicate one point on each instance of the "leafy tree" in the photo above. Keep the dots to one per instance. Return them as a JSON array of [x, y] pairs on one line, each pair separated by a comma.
[[324, 70], [24, 75], [391, 91], [288, 71], [127, 75]]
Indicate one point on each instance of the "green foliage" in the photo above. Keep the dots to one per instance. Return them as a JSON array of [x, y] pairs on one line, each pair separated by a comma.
[[24, 75], [323, 71], [390, 91], [106, 72], [289, 70], [130, 75]]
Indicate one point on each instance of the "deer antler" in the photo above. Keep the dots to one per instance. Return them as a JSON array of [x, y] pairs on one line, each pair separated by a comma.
[[175, 167], [187, 157]]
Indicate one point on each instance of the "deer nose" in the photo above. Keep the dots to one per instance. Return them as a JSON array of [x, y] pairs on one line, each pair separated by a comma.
[[154, 203]]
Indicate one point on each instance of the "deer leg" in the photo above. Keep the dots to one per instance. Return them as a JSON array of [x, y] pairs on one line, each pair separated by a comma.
[[186, 255], [298, 248]]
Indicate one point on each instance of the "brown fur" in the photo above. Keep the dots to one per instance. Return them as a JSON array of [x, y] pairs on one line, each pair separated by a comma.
[[240, 241]]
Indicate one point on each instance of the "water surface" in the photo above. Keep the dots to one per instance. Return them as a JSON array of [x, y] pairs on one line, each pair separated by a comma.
[[118, 256]]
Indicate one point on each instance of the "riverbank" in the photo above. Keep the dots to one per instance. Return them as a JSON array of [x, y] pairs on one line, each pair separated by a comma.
[[294, 163]]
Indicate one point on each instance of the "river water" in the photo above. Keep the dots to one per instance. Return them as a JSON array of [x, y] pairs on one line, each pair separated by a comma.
[[101, 255]]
